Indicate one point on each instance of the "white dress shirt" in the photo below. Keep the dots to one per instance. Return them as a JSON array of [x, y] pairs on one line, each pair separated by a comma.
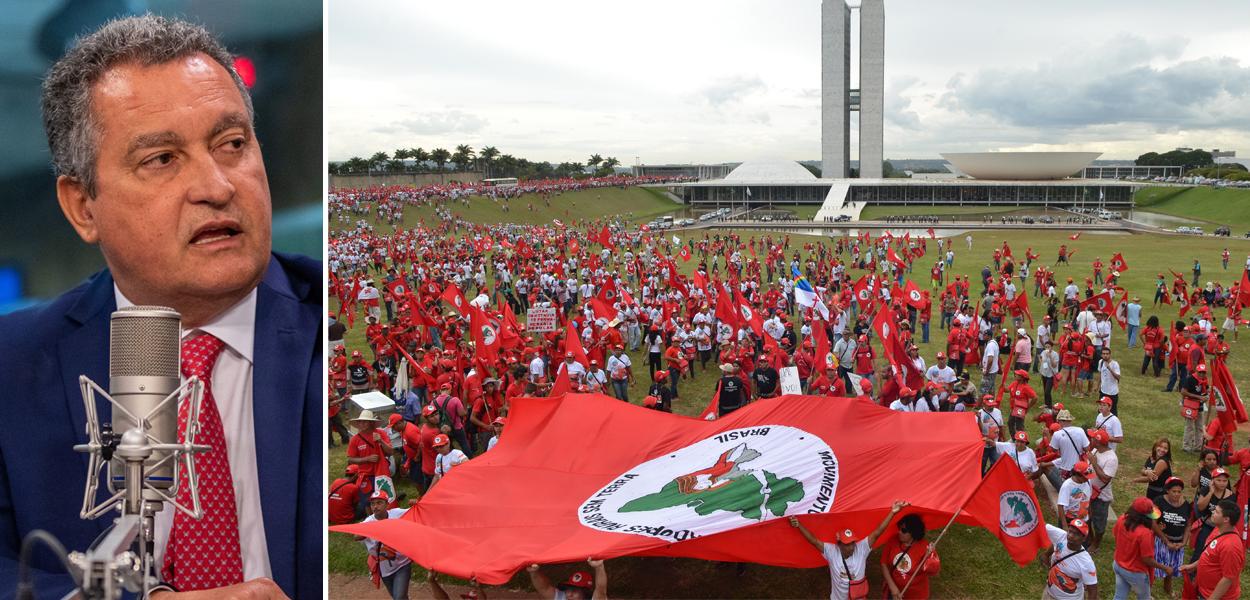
[[232, 391]]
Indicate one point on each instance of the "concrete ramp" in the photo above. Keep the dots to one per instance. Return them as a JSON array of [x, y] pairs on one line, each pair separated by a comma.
[[836, 204]]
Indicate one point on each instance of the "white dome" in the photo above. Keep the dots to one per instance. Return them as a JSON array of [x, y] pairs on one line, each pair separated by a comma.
[[769, 170], [1020, 165]]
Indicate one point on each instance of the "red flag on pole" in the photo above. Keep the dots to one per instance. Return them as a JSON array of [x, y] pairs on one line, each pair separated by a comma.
[[562, 385], [485, 335], [726, 312], [1121, 311], [1243, 290], [455, 298], [603, 301], [1020, 304], [1227, 397], [892, 257], [1103, 302], [605, 238], [1117, 263], [713, 407], [1075, 236], [685, 254], [1005, 505], [749, 316], [912, 295]]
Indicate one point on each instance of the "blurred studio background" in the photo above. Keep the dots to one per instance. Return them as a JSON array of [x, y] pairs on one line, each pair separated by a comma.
[[40, 255]]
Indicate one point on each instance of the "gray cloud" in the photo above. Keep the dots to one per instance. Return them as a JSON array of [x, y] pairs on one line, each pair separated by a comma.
[[731, 89], [1113, 84], [897, 104], [436, 123]]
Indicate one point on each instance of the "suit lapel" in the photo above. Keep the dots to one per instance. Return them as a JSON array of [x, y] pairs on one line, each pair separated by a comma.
[[84, 351], [286, 334]]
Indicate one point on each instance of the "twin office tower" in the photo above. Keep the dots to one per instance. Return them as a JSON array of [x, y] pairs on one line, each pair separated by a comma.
[[838, 99]]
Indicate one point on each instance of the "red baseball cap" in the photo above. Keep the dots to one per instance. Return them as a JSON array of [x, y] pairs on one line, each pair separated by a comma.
[[441, 440], [989, 400], [1105, 400], [846, 536], [1021, 373], [1083, 468], [1143, 505], [380, 494], [941, 355], [1021, 436], [429, 410], [906, 392], [500, 421], [1099, 435], [581, 579], [1080, 525], [394, 418], [1219, 472]]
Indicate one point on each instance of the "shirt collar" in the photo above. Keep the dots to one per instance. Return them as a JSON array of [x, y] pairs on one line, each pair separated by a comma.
[[236, 326]]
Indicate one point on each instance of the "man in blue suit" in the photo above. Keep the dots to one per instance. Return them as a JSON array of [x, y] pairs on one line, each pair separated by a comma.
[[157, 162]]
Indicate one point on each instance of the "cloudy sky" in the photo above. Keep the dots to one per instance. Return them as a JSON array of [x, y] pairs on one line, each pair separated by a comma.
[[732, 80]]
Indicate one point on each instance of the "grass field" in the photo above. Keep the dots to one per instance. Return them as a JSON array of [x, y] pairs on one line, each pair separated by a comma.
[[1218, 206], [635, 204], [973, 563], [963, 212]]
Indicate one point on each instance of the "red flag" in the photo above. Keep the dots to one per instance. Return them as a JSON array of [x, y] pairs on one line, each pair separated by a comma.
[[603, 301], [485, 335], [1103, 302], [1117, 263], [1121, 312], [655, 484], [1227, 397], [824, 349], [892, 257], [1020, 305], [573, 343], [749, 316], [1185, 306], [605, 238], [700, 281], [713, 407], [452, 296], [574, 248], [931, 234], [726, 312], [685, 254], [912, 295], [864, 292], [398, 288], [562, 385], [1075, 236], [887, 331], [1005, 504], [1243, 290]]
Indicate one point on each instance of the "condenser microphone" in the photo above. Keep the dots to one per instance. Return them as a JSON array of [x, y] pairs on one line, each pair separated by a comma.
[[144, 345]]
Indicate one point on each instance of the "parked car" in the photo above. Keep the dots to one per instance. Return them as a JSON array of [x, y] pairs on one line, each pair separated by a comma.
[[845, 218], [1047, 219], [1223, 230]]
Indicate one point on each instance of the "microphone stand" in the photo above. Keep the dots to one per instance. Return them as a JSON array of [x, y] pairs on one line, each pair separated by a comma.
[[122, 559]]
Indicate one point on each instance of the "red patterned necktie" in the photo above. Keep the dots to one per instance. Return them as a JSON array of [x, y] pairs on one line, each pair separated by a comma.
[[204, 553]]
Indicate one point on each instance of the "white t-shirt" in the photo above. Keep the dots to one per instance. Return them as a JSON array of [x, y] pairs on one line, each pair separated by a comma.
[[444, 462], [1111, 424], [994, 418], [490, 444], [1108, 370], [1026, 460], [1110, 463], [840, 586], [916, 406], [989, 362], [618, 366], [1074, 498], [1070, 442], [1067, 580], [940, 374], [387, 567]]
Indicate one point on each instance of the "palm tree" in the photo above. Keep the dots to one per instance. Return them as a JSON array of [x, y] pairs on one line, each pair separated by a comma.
[[419, 155], [356, 164], [594, 160], [399, 155], [610, 162], [440, 156], [378, 161], [463, 156], [486, 156]]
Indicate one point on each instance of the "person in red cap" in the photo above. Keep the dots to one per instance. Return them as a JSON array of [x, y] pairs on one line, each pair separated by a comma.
[[990, 420], [1019, 451], [452, 414], [906, 402], [1217, 569], [581, 585], [1135, 549], [1105, 464], [447, 457], [660, 391], [827, 383], [943, 376], [1075, 493], [848, 558], [393, 568], [344, 503], [497, 426], [1022, 398], [1194, 394], [1072, 574]]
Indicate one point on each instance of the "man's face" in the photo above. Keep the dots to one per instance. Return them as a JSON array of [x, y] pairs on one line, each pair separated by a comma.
[[181, 209], [378, 507]]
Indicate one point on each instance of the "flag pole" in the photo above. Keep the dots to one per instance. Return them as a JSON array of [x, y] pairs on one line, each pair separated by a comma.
[[933, 547]]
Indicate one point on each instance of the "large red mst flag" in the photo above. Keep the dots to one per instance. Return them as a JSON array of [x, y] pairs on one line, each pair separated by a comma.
[[648, 483], [892, 257], [726, 311], [485, 334], [1227, 397], [1243, 290], [604, 301], [455, 298]]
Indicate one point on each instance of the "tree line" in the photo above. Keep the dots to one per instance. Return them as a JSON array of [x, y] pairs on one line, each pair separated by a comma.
[[489, 161]]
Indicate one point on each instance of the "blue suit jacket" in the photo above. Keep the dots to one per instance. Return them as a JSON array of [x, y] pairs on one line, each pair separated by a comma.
[[44, 349]]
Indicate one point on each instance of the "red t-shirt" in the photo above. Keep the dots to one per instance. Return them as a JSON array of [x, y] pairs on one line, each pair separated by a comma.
[[903, 568], [1021, 394], [360, 446], [1224, 557], [344, 493], [427, 448], [1130, 546]]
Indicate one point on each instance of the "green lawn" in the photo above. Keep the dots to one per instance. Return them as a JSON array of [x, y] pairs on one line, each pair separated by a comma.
[[871, 212], [1218, 206], [973, 563], [636, 204]]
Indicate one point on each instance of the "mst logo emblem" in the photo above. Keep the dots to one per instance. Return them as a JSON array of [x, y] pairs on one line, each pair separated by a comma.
[[1017, 514], [733, 479]]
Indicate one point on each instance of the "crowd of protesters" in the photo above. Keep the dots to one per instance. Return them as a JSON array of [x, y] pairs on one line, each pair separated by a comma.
[[628, 316]]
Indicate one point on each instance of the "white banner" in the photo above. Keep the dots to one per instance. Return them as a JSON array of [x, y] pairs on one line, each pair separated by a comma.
[[790, 383], [541, 320]]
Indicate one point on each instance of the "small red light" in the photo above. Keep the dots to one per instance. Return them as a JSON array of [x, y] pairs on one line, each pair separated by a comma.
[[246, 70]]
